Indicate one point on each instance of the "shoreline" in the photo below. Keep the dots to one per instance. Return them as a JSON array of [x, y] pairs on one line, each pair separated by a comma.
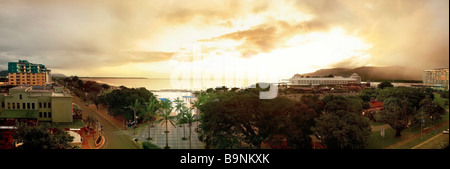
[[113, 78], [115, 86]]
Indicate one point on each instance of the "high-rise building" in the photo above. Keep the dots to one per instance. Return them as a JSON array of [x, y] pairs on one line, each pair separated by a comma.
[[26, 73], [436, 77]]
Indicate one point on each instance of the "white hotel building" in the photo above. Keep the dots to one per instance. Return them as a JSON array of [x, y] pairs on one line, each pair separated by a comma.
[[436, 77], [336, 80]]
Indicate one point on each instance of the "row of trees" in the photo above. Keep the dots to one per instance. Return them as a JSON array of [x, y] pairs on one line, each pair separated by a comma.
[[136, 104], [155, 111], [242, 120], [404, 107], [88, 91], [118, 101]]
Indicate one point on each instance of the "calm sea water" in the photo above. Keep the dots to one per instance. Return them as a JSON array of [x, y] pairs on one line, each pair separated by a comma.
[[150, 84], [168, 88], [163, 88]]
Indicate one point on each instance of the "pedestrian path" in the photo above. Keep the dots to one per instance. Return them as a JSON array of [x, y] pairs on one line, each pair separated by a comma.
[[175, 136], [407, 140], [157, 133], [431, 139]]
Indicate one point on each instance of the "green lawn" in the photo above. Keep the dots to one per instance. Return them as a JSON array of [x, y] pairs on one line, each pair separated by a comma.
[[438, 143], [425, 137], [377, 142]]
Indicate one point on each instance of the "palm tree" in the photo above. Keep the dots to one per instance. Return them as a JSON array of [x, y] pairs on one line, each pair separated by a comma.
[[151, 109], [197, 104], [190, 119], [91, 122], [182, 120], [178, 104], [135, 107], [167, 108]]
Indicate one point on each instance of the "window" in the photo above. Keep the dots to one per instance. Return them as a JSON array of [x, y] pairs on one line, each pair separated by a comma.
[[45, 104], [40, 104], [3, 104], [28, 106], [40, 114], [13, 106], [49, 104], [23, 105], [20, 96], [32, 105], [50, 114], [45, 114], [18, 105], [9, 105]]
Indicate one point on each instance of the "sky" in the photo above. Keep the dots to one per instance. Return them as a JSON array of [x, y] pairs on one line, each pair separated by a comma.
[[229, 38]]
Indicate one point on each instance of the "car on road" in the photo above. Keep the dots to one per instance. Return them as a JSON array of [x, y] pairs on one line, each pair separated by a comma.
[[445, 131]]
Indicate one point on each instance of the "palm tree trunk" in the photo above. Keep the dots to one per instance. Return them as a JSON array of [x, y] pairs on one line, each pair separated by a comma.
[[190, 131], [149, 134], [184, 131], [167, 133]]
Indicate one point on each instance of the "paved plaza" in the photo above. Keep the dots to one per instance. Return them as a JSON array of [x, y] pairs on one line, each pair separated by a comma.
[[174, 137]]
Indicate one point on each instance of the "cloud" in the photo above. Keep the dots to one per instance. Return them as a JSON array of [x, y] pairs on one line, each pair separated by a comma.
[[413, 34], [269, 36], [84, 33]]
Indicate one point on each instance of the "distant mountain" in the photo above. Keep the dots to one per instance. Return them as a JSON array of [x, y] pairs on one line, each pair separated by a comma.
[[58, 75], [3, 73], [368, 73]]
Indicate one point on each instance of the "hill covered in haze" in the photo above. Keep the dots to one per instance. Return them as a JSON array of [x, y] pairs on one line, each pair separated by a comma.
[[369, 73], [3, 73]]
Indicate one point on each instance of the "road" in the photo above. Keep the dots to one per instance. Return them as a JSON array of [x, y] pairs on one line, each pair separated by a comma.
[[115, 137]]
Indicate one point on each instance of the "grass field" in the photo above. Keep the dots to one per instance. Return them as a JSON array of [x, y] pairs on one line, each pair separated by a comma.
[[377, 142]]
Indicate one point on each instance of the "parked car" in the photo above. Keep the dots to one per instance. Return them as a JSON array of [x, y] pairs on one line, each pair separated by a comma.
[[445, 131]]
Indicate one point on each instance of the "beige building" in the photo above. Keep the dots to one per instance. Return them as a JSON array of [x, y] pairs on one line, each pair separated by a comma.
[[41, 104]]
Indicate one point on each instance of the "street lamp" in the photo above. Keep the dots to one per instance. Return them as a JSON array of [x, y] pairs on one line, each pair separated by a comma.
[[135, 120]]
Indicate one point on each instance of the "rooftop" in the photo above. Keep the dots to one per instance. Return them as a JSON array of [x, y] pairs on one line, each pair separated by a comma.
[[38, 91]]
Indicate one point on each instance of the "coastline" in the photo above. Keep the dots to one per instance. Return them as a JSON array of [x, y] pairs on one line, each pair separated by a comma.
[[113, 78], [159, 93], [117, 86]]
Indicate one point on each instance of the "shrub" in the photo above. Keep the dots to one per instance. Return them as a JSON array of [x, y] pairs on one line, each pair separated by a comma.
[[149, 145]]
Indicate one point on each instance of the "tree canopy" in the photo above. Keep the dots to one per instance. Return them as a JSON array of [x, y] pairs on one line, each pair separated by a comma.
[[42, 137], [117, 101], [343, 127], [383, 85]]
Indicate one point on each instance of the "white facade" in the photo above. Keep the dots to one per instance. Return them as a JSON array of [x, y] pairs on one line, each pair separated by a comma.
[[436, 77], [336, 80]]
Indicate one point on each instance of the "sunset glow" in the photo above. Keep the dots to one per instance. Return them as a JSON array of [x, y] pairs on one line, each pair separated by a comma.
[[286, 37]]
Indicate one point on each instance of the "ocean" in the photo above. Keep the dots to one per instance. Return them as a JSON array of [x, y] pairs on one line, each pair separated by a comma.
[[163, 88], [160, 87]]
